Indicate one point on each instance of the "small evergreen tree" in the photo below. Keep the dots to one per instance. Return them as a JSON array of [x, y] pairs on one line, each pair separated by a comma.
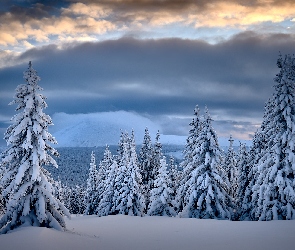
[[230, 167], [242, 180], [128, 197], [77, 199], [106, 205], [161, 194], [27, 186], [146, 167], [103, 169], [91, 191], [157, 156], [258, 145], [173, 177]]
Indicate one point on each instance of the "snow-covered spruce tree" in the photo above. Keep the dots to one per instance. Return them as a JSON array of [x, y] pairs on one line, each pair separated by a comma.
[[230, 168], [206, 190], [119, 184], [273, 193], [161, 194], [255, 153], [128, 197], [103, 169], [77, 199], [145, 165], [106, 205], [242, 180], [26, 185], [157, 156], [190, 160], [91, 191], [173, 177]]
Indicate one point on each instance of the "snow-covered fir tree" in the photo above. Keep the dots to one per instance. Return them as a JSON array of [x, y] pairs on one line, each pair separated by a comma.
[[104, 166], [146, 167], [76, 203], [27, 188], [173, 177], [206, 194], [161, 195], [273, 192], [58, 190], [242, 180], [190, 160], [91, 191], [230, 168], [122, 170], [106, 205], [255, 152], [157, 156], [128, 197]]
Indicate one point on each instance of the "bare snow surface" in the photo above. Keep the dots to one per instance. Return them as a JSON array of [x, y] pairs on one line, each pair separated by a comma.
[[122, 232]]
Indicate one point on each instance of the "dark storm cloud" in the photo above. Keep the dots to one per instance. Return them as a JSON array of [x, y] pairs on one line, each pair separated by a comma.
[[157, 77]]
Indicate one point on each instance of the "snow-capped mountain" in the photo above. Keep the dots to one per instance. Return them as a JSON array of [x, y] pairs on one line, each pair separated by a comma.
[[99, 129]]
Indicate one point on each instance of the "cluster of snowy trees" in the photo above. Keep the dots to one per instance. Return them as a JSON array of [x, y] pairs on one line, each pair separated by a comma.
[[132, 184], [248, 185]]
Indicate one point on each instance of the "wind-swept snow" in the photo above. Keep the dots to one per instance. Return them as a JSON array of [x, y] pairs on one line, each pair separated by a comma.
[[122, 232]]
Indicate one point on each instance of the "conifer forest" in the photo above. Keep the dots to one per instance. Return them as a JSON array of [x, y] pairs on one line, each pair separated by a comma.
[[254, 183]]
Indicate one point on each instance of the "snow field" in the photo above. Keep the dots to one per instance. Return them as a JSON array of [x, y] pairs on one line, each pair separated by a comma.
[[121, 232]]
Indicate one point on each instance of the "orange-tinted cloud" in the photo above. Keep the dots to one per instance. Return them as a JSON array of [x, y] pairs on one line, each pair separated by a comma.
[[88, 20]]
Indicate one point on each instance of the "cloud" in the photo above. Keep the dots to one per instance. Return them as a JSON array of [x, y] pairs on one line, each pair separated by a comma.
[[91, 20], [163, 79], [39, 25]]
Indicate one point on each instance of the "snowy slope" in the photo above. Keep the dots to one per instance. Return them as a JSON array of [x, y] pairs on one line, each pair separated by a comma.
[[99, 129], [150, 233]]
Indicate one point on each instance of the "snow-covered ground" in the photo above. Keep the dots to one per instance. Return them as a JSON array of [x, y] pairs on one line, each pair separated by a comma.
[[139, 233]]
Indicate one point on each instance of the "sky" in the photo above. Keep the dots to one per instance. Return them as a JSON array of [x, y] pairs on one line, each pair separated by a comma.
[[155, 58]]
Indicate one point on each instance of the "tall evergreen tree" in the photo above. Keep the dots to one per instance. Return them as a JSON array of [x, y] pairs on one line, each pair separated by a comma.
[[273, 192], [127, 195], [206, 191], [107, 205], [91, 191], [104, 166], [230, 167], [255, 152], [173, 177], [26, 184], [190, 160], [242, 180], [157, 156], [161, 194], [146, 167]]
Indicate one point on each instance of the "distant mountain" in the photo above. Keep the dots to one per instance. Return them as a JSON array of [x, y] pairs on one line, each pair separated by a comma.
[[99, 129]]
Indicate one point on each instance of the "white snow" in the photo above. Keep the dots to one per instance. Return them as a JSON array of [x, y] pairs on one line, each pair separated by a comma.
[[122, 232]]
